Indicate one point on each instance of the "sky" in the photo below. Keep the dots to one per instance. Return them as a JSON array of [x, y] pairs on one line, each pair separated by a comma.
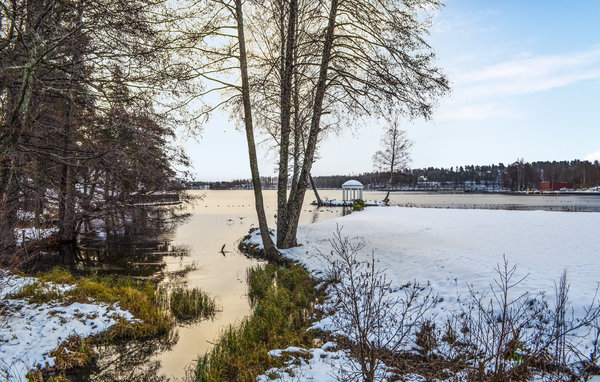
[[525, 78]]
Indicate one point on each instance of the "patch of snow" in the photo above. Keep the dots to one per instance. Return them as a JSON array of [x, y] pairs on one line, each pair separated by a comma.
[[451, 248], [30, 332], [318, 364]]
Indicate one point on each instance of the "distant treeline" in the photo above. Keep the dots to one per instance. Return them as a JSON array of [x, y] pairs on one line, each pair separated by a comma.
[[516, 176], [268, 182]]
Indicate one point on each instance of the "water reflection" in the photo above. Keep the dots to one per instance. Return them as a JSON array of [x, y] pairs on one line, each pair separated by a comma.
[[131, 243], [130, 361]]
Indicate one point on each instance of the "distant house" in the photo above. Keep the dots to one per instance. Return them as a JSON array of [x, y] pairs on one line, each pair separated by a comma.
[[553, 186]]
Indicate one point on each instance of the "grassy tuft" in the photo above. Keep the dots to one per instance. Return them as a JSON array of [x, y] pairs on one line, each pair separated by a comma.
[[283, 306], [260, 280], [75, 352], [191, 304], [57, 275], [358, 205], [37, 293]]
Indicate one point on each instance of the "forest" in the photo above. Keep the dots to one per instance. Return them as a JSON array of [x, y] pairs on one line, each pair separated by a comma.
[[82, 136]]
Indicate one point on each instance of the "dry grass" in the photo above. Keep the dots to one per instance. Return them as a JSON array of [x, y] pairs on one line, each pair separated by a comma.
[[191, 304], [283, 304], [142, 298]]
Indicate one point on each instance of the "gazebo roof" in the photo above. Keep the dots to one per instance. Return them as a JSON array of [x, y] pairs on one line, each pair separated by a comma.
[[353, 184]]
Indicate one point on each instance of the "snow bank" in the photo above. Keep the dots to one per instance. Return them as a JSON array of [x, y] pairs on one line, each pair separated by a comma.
[[29, 332], [454, 248]]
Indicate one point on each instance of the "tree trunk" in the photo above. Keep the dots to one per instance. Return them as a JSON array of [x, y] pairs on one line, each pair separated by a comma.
[[286, 115], [66, 204], [258, 198], [8, 215], [66, 211], [18, 104], [297, 130], [294, 206], [312, 184], [386, 200]]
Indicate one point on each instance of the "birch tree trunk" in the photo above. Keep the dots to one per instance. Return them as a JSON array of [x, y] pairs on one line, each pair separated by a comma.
[[286, 115], [294, 206], [258, 197]]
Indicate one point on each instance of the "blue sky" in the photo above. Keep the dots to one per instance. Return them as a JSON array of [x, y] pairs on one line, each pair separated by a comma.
[[525, 79]]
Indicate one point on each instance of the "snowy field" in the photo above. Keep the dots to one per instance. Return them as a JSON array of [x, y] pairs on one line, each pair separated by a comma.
[[453, 248], [30, 332]]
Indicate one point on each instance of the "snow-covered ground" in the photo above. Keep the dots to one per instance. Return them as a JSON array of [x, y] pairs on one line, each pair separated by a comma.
[[454, 248], [30, 332], [317, 364]]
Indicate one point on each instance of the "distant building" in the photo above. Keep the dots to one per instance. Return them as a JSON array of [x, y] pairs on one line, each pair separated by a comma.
[[553, 186], [196, 185], [352, 190]]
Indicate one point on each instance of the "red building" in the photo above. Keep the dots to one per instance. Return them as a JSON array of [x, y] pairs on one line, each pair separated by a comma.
[[553, 186]]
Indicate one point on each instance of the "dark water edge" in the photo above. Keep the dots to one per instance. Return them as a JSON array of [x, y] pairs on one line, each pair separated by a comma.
[[136, 244], [128, 361], [133, 244]]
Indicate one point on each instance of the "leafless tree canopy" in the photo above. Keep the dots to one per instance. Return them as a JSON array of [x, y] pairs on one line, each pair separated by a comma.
[[311, 66], [85, 87]]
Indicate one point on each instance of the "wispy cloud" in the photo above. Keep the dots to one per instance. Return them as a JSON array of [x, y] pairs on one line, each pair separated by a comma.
[[529, 74], [486, 92], [465, 23]]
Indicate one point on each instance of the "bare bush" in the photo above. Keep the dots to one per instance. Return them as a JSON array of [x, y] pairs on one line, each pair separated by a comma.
[[504, 335], [374, 314]]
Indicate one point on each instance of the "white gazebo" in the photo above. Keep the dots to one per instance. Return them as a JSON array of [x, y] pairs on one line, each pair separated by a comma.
[[352, 190]]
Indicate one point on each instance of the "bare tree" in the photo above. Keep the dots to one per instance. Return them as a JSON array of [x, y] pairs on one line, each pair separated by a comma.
[[504, 336], [299, 67], [362, 65], [395, 155]]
